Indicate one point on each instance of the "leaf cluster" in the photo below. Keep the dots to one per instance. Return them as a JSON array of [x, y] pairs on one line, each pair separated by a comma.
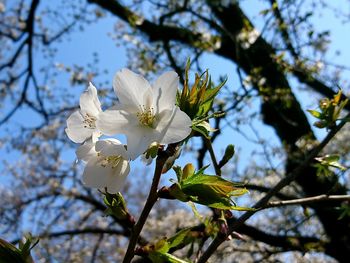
[[197, 100], [209, 190], [327, 161], [159, 252], [330, 110], [9, 253], [116, 207]]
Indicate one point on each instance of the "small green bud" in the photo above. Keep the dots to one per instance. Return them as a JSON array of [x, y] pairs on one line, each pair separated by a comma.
[[229, 153], [188, 171], [116, 206], [152, 150]]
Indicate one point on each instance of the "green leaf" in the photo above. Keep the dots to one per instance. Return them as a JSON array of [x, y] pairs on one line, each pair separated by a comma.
[[162, 246], [157, 257], [212, 191], [201, 171], [175, 191], [212, 182], [116, 206], [202, 130], [9, 253], [331, 160], [315, 113], [225, 204], [178, 172], [179, 238], [203, 127], [195, 211], [211, 93], [344, 211]]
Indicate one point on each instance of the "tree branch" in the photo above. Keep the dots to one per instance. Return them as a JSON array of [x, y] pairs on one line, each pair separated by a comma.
[[307, 200], [151, 200], [78, 232]]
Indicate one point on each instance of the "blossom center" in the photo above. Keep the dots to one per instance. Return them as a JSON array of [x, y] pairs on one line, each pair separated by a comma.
[[146, 116], [111, 161], [89, 121]]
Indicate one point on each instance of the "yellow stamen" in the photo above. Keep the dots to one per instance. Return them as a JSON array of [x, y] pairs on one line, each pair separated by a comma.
[[89, 121], [112, 161], [146, 116]]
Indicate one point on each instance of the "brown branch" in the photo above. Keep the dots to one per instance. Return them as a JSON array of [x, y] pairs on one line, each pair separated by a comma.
[[282, 28], [212, 155], [154, 31], [172, 61], [264, 189], [307, 200], [29, 42], [89, 200], [78, 232], [151, 200], [298, 243]]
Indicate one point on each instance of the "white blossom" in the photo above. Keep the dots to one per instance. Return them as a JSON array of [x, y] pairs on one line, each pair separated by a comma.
[[107, 164], [145, 113], [81, 124]]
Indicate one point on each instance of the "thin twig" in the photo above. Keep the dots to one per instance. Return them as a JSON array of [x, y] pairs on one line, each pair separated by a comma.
[[307, 200], [212, 156]]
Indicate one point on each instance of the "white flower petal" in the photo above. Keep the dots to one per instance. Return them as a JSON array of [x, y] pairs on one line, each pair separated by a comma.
[[95, 135], [111, 122], [97, 176], [89, 102], [86, 151], [139, 138], [176, 128], [110, 147], [164, 91], [130, 88], [117, 180], [75, 128]]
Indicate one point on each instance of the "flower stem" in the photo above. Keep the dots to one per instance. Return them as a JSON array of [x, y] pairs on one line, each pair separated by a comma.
[[151, 200], [212, 156]]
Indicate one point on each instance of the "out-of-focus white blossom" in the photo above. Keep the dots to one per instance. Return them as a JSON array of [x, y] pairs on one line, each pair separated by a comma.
[[248, 38]]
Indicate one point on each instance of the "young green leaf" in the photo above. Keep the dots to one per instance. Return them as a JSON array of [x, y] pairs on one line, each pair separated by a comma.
[[157, 257]]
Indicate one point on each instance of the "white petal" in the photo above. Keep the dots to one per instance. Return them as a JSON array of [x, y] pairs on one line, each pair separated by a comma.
[[139, 138], [111, 147], [97, 176], [111, 122], [130, 88], [116, 182], [86, 151], [164, 91], [176, 128], [75, 128], [95, 135], [89, 101]]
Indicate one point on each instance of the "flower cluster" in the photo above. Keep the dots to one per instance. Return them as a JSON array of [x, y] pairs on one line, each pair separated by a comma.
[[145, 113]]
